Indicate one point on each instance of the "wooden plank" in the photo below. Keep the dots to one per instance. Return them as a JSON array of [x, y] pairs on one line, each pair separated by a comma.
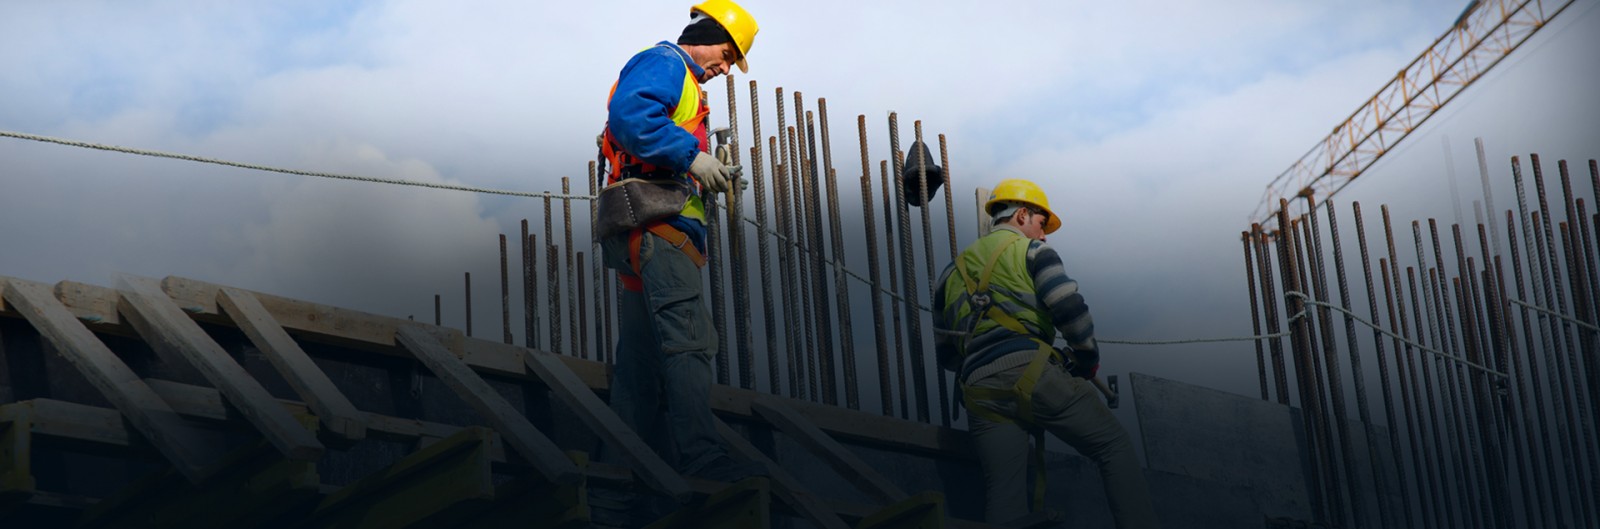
[[836, 455], [16, 457], [335, 411], [180, 340], [422, 485], [564, 384], [529, 499], [520, 434], [146, 411], [375, 334], [743, 505], [785, 486]]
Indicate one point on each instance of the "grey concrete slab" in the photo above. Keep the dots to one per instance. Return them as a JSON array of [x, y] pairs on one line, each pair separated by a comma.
[[1224, 438]]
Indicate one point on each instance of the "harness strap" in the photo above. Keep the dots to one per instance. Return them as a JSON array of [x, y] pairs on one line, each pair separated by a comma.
[[1022, 392], [677, 238]]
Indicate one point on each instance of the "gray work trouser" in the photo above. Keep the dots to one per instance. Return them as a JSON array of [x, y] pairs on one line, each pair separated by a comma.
[[1070, 408]]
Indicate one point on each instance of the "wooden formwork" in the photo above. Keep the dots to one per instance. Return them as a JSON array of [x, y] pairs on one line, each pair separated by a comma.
[[503, 472]]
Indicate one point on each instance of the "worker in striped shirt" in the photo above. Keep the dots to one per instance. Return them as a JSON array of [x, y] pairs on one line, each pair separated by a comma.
[[997, 309]]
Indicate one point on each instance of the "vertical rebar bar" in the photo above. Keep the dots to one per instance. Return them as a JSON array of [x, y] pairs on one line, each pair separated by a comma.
[[802, 254], [467, 289], [552, 280], [1255, 312], [1580, 394], [1517, 416], [1583, 293], [1503, 347], [505, 293], [769, 320], [847, 347], [1438, 474], [1450, 379], [927, 257], [949, 198], [1406, 375], [437, 316], [527, 282], [908, 279], [1447, 483], [714, 259], [1357, 377], [1300, 331], [1472, 407], [1269, 297], [1529, 328], [582, 316], [1491, 423], [889, 249], [787, 276], [1346, 453], [568, 272], [879, 333], [595, 259], [815, 174], [1326, 451], [736, 253]]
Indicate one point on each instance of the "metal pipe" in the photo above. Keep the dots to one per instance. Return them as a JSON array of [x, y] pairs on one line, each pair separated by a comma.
[[769, 320], [1255, 312], [1551, 475], [1269, 297], [1405, 370], [468, 290], [847, 348], [505, 294], [927, 258], [908, 279], [889, 250], [1300, 331], [879, 333], [1319, 281], [1383, 367]]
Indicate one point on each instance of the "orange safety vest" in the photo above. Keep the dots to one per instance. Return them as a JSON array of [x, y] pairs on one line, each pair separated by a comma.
[[690, 113]]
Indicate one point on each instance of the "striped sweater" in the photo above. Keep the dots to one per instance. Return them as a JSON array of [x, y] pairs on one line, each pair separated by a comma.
[[1000, 349]]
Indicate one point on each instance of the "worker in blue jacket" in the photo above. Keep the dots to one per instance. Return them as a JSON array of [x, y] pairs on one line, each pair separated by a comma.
[[656, 133]]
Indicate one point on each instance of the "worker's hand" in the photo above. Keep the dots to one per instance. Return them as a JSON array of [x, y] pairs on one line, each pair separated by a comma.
[[713, 174]]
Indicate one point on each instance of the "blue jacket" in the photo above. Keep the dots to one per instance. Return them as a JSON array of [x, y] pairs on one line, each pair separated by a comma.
[[640, 116]]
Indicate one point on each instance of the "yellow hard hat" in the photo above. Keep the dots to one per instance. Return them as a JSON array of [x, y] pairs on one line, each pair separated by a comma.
[[740, 25], [1023, 192]]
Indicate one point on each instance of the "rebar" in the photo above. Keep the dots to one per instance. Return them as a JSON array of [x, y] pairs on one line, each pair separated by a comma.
[[927, 257], [1255, 312], [736, 252], [1300, 332], [889, 250], [467, 289], [1504, 345], [714, 258], [1449, 376], [949, 198], [1406, 375], [505, 294], [908, 279], [1551, 475], [529, 321], [1346, 454], [879, 333], [1326, 450], [1437, 470], [569, 271], [1358, 376], [1447, 482], [1269, 297], [763, 253], [1491, 422], [595, 258], [847, 348], [437, 316], [826, 360], [1583, 294], [1574, 271], [552, 281], [786, 273], [1481, 450], [802, 254], [583, 310]]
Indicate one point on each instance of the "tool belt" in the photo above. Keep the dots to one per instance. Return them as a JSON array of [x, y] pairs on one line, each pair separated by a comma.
[[634, 203]]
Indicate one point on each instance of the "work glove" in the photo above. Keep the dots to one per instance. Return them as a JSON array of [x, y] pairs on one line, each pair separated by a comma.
[[713, 174]]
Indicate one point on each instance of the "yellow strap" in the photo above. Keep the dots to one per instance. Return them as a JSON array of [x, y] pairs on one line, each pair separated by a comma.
[[1023, 393]]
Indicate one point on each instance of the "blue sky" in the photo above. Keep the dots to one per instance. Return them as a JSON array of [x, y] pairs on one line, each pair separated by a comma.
[[1154, 126]]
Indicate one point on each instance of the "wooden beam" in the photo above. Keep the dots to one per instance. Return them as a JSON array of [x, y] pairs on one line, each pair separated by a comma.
[[146, 411], [16, 457], [606, 424], [836, 455], [526, 440], [785, 486], [375, 334], [426, 483], [335, 411], [180, 340], [743, 505]]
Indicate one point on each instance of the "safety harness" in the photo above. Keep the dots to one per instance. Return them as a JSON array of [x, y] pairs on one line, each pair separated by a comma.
[[689, 113], [981, 300]]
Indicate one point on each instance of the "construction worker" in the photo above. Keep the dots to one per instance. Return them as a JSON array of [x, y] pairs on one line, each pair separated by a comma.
[[998, 308], [656, 145]]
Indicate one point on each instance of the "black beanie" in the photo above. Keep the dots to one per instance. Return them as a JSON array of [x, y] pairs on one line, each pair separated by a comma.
[[704, 30]]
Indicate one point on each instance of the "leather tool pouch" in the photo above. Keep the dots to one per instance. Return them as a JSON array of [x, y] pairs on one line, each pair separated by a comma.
[[634, 202]]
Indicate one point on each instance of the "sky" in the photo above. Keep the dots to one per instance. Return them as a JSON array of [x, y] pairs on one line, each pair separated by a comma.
[[1153, 126]]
